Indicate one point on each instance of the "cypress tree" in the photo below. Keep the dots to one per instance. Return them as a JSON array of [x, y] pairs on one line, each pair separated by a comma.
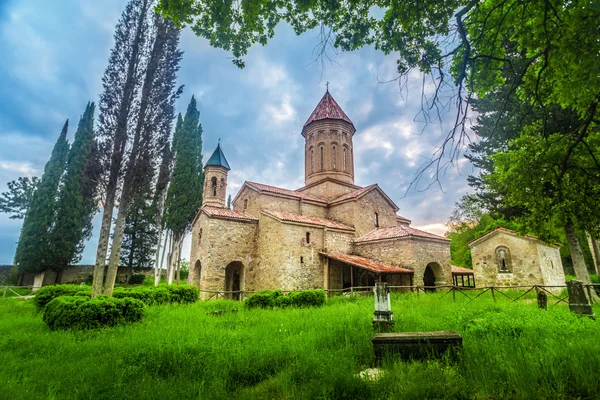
[[76, 204], [34, 245], [184, 196]]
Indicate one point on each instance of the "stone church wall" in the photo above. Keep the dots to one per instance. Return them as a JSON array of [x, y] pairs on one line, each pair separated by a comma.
[[338, 242], [415, 254], [287, 262], [222, 241], [524, 261], [256, 202], [328, 190], [343, 212], [551, 265], [365, 210]]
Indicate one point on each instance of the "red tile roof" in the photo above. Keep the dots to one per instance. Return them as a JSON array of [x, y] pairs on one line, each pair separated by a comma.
[[403, 220], [221, 212], [285, 192], [397, 232], [368, 263], [460, 270], [511, 232], [327, 108], [303, 219]]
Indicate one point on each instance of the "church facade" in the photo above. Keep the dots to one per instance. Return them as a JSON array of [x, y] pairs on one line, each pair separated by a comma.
[[329, 234]]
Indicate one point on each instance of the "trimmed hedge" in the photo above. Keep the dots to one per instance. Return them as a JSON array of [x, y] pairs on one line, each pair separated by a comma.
[[79, 312], [276, 298], [48, 293], [149, 295], [136, 279]]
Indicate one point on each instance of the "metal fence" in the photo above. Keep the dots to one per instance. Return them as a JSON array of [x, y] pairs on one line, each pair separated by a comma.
[[9, 291]]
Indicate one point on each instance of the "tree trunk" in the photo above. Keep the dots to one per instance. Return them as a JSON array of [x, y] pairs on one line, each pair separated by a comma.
[[157, 263], [98, 280], [115, 251], [576, 254], [595, 250], [38, 281]]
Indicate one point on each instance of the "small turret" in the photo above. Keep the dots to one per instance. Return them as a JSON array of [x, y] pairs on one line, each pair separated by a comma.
[[215, 179]]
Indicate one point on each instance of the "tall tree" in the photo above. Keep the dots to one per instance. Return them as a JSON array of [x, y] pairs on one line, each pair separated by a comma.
[[158, 205], [156, 109], [185, 191], [34, 245], [76, 204], [16, 200], [117, 105]]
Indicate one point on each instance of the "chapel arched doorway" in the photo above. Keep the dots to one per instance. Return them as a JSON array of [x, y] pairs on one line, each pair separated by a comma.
[[234, 278], [197, 274], [433, 273]]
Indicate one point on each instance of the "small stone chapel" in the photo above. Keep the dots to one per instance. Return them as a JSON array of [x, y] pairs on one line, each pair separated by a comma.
[[329, 234]]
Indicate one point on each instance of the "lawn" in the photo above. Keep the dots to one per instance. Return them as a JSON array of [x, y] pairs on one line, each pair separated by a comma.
[[511, 350]]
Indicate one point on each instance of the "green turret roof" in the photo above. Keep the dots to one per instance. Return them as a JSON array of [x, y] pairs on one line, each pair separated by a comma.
[[218, 159]]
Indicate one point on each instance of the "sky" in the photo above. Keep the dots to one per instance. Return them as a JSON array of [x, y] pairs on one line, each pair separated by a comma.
[[51, 64]]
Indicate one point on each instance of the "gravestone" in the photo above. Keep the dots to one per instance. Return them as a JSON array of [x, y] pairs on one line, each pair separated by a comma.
[[542, 299], [416, 345], [383, 317], [578, 301]]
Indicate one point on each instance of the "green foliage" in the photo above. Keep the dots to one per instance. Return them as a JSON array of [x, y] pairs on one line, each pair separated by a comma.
[[510, 350], [76, 203], [34, 248], [276, 298], [184, 196], [48, 293], [183, 294], [137, 279], [155, 295], [77, 312], [18, 197]]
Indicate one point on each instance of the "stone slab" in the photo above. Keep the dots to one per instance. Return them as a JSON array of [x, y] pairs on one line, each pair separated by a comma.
[[416, 345]]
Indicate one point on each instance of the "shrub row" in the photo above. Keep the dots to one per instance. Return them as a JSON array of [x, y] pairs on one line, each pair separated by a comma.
[[80, 312], [152, 295], [276, 298]]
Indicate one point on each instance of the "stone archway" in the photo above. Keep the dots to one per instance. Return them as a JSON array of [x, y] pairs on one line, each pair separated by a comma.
[[234, 280], [433, 274]]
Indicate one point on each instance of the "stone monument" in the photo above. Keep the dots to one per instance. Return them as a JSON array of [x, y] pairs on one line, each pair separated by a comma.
[[542, 299], [578, 301], [383, 317]]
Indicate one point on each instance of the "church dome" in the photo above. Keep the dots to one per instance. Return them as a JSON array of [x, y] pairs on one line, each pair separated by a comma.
[[327, 108]]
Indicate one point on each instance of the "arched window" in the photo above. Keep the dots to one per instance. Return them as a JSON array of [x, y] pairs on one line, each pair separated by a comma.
[[322, 155], [223, 186], [213, 182], [503, 259], [312, 160], [200, 235], [333, 149], [345, 158], [307, 237], [245, 203], [376, 219]]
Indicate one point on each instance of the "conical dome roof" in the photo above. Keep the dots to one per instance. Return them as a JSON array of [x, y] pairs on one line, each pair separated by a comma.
[[327, 108], [218, 159]]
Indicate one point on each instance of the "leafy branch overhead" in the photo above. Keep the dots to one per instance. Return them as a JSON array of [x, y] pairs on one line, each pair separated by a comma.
[[461, 45], [16, 200]]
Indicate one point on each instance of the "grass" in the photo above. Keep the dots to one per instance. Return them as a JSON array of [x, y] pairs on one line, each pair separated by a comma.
[[511, 350]]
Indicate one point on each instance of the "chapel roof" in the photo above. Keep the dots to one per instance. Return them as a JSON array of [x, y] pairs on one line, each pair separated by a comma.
[[303, 219], [461, 270], [285, 192], [367, 263], [217, 159], [400, 231], [327, 108], [500, 229]]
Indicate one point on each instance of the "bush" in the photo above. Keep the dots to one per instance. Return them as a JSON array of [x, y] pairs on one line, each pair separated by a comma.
[[263, 299], [276, 298], [136, 279], [183, 294], [78, 312], [48, 293], [308, 298]]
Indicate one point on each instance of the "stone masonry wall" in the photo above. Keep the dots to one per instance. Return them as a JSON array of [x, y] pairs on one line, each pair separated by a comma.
[[328, 190], [343, 212], [415, 254], [256, 202], [365, 210], [524, 260], [551, 265], [221, 242], [338, 242]]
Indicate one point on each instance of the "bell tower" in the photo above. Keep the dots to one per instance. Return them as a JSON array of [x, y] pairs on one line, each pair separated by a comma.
[[328, 136], [215, 179]]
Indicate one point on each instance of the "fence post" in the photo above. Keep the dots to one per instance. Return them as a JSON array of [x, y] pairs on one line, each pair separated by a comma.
[[5, 290], [453, 294], [493, 295]]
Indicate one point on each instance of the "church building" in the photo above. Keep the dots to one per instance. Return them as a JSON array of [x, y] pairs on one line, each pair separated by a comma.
[[329, 234]]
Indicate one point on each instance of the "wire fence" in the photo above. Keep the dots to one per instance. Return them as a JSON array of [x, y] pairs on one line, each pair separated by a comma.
[[12, 291], [512, 293]]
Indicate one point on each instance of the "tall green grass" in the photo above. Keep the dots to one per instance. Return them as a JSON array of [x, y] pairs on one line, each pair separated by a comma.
[[511, 350]]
